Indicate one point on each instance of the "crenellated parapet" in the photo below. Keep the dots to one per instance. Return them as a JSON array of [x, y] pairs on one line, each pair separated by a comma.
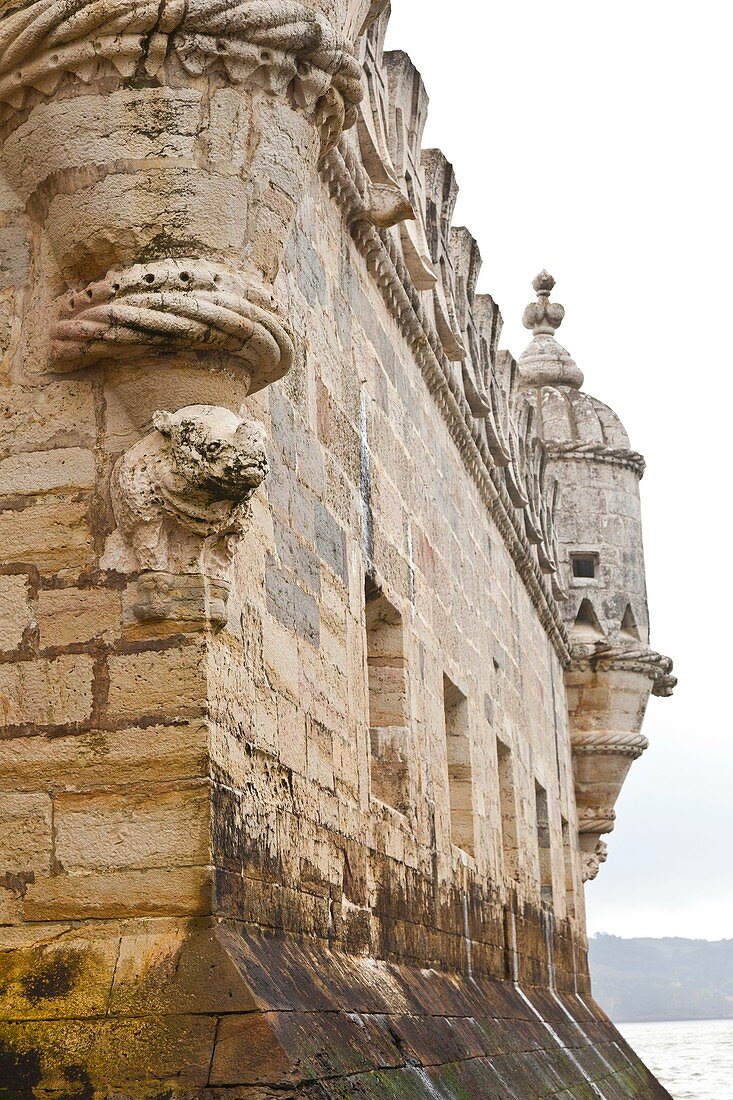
[[398, 200]]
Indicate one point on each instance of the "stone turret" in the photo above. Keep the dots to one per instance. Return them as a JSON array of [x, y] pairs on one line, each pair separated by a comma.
[[613, 669]]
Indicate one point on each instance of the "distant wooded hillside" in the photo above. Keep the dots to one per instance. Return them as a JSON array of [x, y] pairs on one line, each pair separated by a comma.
[[664, 979]]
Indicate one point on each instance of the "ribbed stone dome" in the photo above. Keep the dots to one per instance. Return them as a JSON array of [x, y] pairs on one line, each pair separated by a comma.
[[569, 416], [572, 422]]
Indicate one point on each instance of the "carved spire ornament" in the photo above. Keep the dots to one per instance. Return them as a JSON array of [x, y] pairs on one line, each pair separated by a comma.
[[546, 362], [543, 317]]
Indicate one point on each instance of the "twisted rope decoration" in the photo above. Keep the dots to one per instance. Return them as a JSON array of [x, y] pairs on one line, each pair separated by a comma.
[[610, 743], [173, 304], [279, 45], [600, 452]]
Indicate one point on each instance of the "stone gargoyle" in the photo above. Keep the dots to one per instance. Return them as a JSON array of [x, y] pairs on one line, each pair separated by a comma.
[[180, 498]]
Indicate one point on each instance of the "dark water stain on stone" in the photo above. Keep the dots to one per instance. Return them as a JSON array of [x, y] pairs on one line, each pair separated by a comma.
[[54, 978], [20, 1071], [83, 1090]]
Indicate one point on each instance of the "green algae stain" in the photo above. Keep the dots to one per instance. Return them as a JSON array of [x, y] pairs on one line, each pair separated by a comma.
[[54, 977], [20, 1072]]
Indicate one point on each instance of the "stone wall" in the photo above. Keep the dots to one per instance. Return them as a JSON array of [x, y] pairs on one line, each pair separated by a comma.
[[287, 801]]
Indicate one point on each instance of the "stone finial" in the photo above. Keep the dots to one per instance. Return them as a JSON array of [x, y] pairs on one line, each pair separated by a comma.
[[543, 317], [545, 362]]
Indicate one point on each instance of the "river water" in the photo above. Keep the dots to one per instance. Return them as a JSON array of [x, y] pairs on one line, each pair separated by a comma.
[[693, 1059]]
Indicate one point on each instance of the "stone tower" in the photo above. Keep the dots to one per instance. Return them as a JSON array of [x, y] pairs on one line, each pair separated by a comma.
[[296, 695], [613, 669]]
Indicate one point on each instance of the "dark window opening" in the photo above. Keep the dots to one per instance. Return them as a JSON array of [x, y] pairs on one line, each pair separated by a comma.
[[508, 809], [628, 624], [584, 565], [569, 872], [586, 621]]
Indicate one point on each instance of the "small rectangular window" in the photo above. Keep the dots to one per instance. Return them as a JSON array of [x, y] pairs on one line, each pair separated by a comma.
[[508, 810], [569, 875], [544, 844], [388, 711], [460, 779], [585, 565]]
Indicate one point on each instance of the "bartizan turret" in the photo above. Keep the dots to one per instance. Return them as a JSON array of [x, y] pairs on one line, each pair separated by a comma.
[[613, 668]]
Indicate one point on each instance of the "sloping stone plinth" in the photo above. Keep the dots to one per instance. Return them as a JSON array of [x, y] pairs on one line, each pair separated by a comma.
[[213, 1012]]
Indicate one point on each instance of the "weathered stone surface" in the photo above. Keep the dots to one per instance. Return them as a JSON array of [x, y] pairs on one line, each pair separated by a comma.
[[15, 611], [44, 471], [68, 616], [103, 831], [49, 534], [156, 684], [54, 692]]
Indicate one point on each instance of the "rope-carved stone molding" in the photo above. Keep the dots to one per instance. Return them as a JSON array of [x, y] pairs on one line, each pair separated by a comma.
[[600, 452], [280, 46], [609, 743], [596, 819], [180, 498], [173, 304], [604, 658]]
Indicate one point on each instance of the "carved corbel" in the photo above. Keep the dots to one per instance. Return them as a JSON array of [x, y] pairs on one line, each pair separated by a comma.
[[180, 498], [388, 205], [608, 686]]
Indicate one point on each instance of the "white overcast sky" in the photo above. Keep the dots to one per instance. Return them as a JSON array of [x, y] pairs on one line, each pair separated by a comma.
[[594, 139]]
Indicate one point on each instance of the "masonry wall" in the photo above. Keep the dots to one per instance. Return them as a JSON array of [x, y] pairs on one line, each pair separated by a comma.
[[367, 483]]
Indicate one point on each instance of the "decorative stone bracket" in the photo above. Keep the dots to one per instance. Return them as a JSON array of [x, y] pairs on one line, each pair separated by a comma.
[[619, 658], [609, 686], [180, 497]]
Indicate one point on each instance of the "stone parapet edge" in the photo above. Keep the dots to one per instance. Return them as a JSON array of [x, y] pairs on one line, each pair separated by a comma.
[[341, 174]]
